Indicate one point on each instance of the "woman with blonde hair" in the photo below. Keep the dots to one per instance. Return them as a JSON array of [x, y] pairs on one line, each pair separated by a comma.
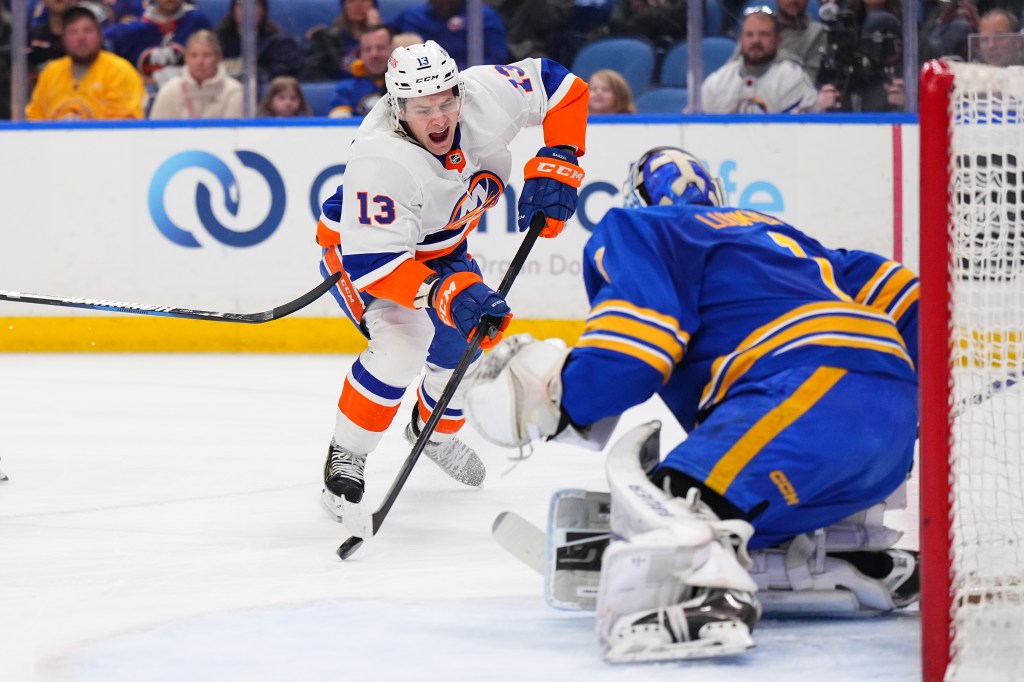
[[284, 98], [204, 89], [610, 93]]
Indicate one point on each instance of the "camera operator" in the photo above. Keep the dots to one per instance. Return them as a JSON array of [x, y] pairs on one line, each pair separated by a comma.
[[862, 67], [946, 26]]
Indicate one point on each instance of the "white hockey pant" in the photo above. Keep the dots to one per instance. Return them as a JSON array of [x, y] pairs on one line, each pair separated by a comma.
[[400, 338]]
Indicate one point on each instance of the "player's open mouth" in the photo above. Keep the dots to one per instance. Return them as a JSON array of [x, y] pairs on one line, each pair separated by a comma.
[[438, 137]]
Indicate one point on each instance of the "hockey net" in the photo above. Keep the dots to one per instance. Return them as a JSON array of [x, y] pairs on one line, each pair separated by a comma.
[[972, 388]]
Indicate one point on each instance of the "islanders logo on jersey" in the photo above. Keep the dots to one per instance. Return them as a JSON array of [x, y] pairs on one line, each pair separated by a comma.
[[485, 188]]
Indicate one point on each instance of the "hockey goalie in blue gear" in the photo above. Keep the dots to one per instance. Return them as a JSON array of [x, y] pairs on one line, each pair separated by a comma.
[[790, 366]]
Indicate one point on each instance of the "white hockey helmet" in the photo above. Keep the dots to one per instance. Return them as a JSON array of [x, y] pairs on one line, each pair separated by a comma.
[[419, 70], [668, 175]]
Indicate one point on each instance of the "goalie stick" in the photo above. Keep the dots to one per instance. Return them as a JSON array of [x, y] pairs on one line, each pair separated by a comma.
[[521, 539], [169, 311], [349, 546]]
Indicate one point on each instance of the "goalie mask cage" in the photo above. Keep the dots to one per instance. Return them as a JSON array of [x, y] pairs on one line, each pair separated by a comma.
[[972, 344]]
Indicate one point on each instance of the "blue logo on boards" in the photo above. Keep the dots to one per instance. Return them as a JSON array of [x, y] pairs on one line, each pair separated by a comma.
[[204, 208]]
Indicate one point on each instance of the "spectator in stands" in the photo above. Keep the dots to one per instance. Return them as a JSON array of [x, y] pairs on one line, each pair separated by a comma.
[[333, 49], [802, 36], [278, 53], [44, 36], [156, 43], [661, 21], [284, 99], [5, 61], [946, 27], [204, 89], [531, 24], [356, 96], [444, 21], [762, 81], [1000, 43], [89, 83], [878, 85], [862, 9], [610, 93], [118, 11]]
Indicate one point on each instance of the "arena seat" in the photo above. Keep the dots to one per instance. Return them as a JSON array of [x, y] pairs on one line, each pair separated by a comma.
[[318, 96], [715, 50], [631, 57], [662, 100]]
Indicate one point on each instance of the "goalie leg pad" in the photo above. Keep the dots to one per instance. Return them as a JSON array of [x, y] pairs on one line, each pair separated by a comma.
[[648, 611], [638, 506], [800, 579]]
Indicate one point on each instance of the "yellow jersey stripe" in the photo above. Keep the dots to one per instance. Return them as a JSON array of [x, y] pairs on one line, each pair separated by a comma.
[[868, 325], [653, 317], [899, 308], [890, 289], [770, 426], [635, 350], [867, 291], [640, 331]]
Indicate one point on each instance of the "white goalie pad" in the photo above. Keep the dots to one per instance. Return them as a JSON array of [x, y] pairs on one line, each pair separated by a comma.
[[639, 506], [648, 610], [672, 586], [801, 579]]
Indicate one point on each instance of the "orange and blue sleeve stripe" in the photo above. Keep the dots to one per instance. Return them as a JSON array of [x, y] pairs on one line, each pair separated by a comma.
[[568, 99]]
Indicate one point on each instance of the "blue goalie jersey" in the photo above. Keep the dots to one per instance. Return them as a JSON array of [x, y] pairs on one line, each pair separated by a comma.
[[695, 303]]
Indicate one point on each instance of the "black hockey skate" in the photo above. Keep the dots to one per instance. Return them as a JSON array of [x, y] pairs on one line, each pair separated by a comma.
[[343, 473]]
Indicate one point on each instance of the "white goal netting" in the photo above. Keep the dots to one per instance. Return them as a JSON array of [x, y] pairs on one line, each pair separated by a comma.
[[987, 349]]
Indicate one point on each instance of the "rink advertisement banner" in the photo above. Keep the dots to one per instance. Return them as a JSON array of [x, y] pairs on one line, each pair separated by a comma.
[[223, 218]]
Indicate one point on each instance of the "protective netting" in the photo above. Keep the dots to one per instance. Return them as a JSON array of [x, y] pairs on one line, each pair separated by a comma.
[[987, 454]]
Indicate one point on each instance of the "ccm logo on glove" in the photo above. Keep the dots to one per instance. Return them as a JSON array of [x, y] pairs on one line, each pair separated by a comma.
[[552, 180], [574, 173], [463, 301]]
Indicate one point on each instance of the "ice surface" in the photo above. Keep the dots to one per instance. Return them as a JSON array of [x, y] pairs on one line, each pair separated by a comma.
[[162, 522]]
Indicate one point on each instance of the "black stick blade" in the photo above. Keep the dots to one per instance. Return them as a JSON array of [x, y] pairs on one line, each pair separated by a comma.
[[349, 547]]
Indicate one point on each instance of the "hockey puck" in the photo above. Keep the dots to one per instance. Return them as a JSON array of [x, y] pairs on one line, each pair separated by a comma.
[[349, 547]]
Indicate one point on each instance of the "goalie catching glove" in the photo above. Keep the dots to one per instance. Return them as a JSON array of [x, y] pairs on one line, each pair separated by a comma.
[[516, 397], [551, 188], [463, 301]]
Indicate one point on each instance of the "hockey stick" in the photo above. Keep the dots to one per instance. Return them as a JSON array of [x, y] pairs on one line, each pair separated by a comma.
[[349, 546], [168, 311], [990, 391]]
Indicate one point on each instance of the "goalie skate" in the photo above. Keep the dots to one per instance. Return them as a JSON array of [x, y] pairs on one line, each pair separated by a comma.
[[713, 623]]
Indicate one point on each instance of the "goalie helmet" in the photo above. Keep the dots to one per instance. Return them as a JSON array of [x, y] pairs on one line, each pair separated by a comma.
[[419, 70], [668, 175]]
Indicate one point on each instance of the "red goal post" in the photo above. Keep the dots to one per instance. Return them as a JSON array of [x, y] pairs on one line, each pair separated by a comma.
[[972, 343]]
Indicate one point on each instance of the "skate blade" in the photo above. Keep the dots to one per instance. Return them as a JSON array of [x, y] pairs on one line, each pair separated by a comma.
[[716, 639], [332, 505]]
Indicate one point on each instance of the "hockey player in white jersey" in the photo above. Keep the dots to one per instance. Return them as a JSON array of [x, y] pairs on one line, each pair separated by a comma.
[[426, 163]]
